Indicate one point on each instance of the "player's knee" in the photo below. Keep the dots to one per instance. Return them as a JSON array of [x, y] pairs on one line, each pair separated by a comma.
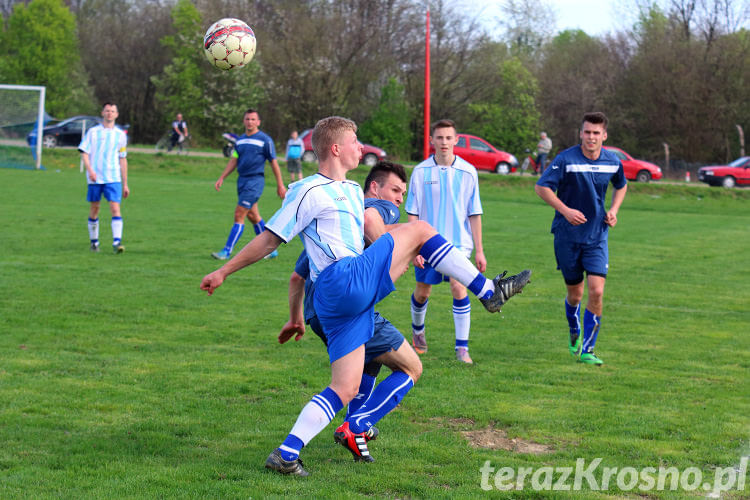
[[414, 368]]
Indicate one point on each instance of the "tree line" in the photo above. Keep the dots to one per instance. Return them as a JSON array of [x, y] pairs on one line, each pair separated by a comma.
[[679, 75]]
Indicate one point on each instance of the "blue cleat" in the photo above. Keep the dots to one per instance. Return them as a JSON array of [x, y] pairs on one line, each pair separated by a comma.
[[272, 255], [221, 254]]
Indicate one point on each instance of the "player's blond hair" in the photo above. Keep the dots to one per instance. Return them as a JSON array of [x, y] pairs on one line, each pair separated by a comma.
[[327, 131]]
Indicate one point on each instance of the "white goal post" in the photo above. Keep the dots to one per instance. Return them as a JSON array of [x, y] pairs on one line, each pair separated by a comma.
[[40, 115]]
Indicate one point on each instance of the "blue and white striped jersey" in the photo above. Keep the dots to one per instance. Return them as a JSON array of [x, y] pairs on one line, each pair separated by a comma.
[[445, 196], [581, 183], [105, 147], [328, 215]]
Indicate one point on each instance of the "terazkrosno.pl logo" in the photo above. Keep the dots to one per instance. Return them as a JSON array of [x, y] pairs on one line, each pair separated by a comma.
[[592, 477]]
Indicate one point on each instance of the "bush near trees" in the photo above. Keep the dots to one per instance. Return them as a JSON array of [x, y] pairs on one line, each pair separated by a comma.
[[676, 74]]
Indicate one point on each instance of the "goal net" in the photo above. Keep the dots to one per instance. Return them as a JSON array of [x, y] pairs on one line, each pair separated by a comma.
[[21, 119]]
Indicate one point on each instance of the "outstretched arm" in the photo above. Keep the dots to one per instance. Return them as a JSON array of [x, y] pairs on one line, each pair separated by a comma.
[[260, 246]]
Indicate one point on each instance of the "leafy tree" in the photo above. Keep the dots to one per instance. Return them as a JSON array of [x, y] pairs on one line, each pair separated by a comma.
[[41, 48], [509, 120], [388, 127]]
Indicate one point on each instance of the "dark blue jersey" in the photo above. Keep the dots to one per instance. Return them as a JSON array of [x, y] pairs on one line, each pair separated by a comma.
[[581, 183], [252, 152], [387, 210]]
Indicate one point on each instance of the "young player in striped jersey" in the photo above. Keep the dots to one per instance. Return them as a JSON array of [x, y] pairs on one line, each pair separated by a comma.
[[385, 187], [444, 191], [575, 185], [105, 158], [327, 210], [251, 151]]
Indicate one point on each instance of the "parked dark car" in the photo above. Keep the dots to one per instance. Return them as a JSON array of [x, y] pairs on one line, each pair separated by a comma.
[[67, 132], [483, 155], [370, 154], [736, 173], [636, 170]]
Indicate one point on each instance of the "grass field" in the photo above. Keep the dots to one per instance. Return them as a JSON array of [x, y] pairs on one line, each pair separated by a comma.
[[119, 378]]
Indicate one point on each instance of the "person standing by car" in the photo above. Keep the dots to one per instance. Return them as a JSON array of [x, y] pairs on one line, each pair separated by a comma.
[[542, 149], [444, 191], [294, 148], [104, 156], [179, 133], [575, 185]]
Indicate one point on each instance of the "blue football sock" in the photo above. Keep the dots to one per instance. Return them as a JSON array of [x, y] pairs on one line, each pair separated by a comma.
[[259, 227], [234, 236], [384, 398], [591, 323], [574, 319], [365, 390]]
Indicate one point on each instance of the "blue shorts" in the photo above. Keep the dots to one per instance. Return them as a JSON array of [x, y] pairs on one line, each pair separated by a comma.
[[428, 275], [249, 190], [385, 337], [346, 293], [112, 192], [575, 258]]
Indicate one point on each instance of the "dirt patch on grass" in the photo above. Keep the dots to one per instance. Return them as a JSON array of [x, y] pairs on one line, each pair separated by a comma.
[[497, 439]]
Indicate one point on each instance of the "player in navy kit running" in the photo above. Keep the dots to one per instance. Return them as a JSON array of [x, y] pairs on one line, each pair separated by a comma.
[[251, 151], [575, 185]]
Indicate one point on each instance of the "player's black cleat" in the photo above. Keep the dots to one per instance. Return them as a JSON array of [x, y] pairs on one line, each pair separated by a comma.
[[505, 288], [292, 467], [355, 443]]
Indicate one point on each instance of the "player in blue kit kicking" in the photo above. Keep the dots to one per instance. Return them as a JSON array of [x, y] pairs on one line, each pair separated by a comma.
[[575, 185], [385, 187], [251, 152], [328, 211]]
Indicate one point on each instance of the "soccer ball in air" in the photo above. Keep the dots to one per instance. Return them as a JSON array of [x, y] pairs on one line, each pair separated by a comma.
[[229, 44]]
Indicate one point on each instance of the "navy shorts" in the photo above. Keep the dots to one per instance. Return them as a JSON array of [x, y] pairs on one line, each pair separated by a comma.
[[346, 293], [112, 192], [249, 190], [575, 258], [429, 276], [385, 337]]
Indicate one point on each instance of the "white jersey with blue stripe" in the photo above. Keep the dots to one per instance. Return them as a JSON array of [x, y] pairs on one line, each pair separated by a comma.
[[582, 183], [327, 214], [445, 196], [105, 147]]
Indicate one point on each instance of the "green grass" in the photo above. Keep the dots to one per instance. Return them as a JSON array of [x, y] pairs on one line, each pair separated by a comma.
[[120, 378]]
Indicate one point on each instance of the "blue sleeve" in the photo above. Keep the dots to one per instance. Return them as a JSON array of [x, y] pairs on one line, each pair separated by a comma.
[[270, 149], [302, 266], [553, 174], [618, 180]]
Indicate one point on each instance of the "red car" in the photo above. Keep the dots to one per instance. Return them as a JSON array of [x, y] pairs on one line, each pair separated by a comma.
[[636, 170], [736, 173], [370, 154], [483, 155]]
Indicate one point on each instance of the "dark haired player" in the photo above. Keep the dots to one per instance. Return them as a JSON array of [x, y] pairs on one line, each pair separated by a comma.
[[575, 185]]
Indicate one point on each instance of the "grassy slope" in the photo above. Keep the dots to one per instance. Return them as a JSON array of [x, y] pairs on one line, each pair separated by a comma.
[[119, 378]]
